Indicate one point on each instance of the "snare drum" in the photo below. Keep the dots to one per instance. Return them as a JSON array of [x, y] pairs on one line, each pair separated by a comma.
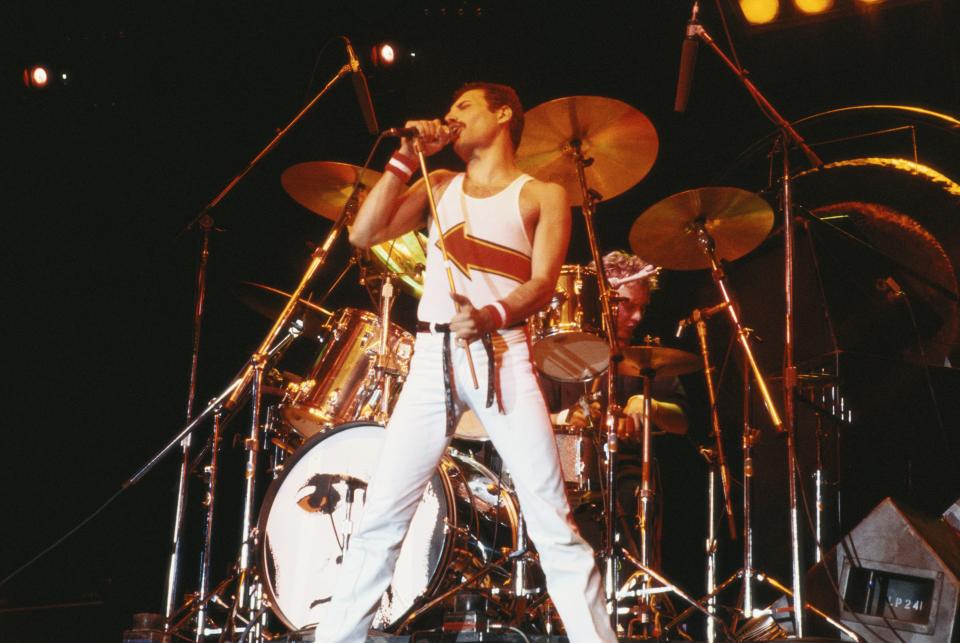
[[344, 383], [465, 516], [569, 344]]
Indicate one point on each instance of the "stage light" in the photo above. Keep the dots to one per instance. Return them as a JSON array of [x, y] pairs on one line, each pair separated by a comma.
[[36, 77], [760, 12], [813, 6], [385, 54], [760, 16]]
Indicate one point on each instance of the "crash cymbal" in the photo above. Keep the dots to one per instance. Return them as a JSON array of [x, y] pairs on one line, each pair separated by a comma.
[[406, 257], [737, 220], [323, 187], [665, 362], [619, 139], [269, 301]]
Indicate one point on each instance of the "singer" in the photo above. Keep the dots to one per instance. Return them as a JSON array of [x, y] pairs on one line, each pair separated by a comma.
[[506, 234]]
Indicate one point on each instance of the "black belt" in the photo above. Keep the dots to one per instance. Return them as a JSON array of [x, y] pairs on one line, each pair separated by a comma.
[[493, 384]]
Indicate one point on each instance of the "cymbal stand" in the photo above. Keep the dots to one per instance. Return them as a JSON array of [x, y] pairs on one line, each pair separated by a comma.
[[608, 312], [644, 567], [211, 471], [247, 593], [788, 135], [384, 360]]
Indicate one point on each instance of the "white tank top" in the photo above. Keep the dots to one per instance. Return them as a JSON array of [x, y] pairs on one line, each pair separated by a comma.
[[487, 244]]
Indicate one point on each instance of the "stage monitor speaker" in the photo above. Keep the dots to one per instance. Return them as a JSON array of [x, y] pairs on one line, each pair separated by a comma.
[[898, 572]]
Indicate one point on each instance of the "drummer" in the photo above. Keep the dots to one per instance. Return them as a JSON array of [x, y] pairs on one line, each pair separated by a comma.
[[569, 403]]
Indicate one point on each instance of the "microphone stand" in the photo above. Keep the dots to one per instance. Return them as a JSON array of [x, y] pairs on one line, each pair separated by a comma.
[[788, 135], [206, 223], [173, 570]]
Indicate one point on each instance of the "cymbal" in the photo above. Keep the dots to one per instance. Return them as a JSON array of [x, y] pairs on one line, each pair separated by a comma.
[[665, 362], [737, 220], [323, 187], [405, 256], [619, 139], [269, 301]]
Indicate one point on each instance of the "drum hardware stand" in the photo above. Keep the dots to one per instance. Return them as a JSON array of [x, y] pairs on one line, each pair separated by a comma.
[[211, 472], [443, 246], [588, 207], [716, 462], [466, 582], [645, 571], [249, 589], [788, 135]]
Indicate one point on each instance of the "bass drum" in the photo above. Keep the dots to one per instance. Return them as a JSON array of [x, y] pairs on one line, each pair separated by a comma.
[[463, 521]]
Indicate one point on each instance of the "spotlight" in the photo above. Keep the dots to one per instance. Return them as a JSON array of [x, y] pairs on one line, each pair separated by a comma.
[[385, 54], [36, 77]]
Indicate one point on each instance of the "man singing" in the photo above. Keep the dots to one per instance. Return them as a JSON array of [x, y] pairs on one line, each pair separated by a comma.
[[506, 235]]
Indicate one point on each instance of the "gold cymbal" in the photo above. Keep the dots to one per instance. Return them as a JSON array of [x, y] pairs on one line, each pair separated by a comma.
[[323, 187], [619, 139], [406, 257], [269, 301], [664, 362], [737, 220]]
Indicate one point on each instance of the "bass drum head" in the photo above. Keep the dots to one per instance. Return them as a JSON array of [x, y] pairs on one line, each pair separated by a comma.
[[304, 521]]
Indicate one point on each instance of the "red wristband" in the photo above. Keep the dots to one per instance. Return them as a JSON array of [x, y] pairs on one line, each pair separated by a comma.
[[401, 166], [497, 313]]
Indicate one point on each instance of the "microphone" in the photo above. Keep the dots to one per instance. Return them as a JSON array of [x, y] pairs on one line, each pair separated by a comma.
[[401, 132], [361, 89], [688, 61], [412, 132], [699, 314]]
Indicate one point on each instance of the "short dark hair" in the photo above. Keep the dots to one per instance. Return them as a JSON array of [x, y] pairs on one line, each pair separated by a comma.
[[497, 96]]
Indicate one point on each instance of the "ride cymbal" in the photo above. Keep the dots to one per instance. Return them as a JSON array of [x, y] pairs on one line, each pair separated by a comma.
[[619, 140], [665, 234]]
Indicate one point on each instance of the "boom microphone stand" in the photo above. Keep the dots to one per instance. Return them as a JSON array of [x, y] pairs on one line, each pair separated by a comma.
[[788, 135]]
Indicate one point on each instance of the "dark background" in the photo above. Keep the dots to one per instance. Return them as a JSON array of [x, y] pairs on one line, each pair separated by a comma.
[[165, 102]]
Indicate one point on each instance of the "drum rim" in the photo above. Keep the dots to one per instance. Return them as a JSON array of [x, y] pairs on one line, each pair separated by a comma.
[[446, 550]]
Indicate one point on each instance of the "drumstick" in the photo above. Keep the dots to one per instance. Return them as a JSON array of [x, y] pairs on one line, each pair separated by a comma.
[[443, 246]]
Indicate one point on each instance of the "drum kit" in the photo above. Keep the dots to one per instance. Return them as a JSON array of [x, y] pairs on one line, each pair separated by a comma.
[[466, 564]]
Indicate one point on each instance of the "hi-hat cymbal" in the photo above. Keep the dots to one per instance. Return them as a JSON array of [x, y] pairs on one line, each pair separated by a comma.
[[269, 301], [663, 361], [737, 220], [619, 139], [323, 187]]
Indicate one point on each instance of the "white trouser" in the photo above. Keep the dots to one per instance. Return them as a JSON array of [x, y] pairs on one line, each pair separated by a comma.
[[415, 441]]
